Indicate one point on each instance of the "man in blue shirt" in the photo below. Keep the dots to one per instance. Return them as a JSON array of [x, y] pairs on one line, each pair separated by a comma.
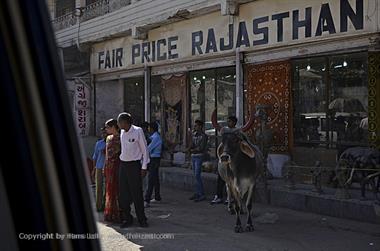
[[98, 162], [154, 149]]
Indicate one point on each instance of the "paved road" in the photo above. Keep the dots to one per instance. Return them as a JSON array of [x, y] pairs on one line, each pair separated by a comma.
[[180, 224]]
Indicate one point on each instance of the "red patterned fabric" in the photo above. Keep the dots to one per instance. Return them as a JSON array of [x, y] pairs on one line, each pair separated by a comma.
[[269, 84], [111, 173]]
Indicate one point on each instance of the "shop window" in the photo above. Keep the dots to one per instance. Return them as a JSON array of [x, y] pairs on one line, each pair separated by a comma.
[[330, 101], [209, 90], [226, 93], [134, 98], [155, 99]]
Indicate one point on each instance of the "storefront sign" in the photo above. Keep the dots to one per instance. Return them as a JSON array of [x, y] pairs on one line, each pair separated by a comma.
[[260, 24], [82, 108]]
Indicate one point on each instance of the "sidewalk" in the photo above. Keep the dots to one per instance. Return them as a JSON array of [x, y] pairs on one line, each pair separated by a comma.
[[110, 239], [177, 223], [302, 198]]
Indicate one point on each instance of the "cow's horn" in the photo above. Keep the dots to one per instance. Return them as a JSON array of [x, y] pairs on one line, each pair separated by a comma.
[[250, 122], [214, 120]]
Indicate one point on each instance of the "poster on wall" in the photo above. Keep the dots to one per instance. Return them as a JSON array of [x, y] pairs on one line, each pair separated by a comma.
[[173, 115], [82, 108], [173, 103]]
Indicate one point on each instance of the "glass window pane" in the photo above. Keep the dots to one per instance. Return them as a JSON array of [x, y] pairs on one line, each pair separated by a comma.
[[226, 98], [155, 99], [309, 101], [209, 90], [202, 89], [348, 100]]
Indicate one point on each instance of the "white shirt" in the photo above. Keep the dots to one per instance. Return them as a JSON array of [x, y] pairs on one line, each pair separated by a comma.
[[133, 146]]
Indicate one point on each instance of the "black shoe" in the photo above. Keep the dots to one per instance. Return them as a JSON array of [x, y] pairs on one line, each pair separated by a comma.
[[201, 198], [144, 224], [126, 224], [193, 197]]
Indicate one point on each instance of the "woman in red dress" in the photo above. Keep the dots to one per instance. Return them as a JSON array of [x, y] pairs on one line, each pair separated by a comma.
[[111, 172]]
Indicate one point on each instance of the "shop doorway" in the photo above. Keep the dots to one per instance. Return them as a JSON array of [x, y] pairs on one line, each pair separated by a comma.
[[134, 99]]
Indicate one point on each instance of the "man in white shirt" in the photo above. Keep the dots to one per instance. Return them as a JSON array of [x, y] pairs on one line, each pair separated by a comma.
[[134, 160]]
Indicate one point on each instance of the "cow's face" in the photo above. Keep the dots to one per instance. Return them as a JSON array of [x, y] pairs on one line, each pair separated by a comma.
[[233, 142]]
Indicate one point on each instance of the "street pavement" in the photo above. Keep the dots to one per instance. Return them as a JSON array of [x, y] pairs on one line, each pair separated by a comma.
[[177, 223]]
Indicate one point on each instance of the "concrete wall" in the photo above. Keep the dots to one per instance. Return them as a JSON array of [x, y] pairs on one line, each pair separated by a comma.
[[88, 145], [109, 101]]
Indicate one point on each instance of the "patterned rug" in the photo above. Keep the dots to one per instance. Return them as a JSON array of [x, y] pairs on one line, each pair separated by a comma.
[[269, 84]]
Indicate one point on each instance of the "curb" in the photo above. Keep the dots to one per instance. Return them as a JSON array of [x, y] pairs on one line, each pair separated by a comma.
[[277, 195]]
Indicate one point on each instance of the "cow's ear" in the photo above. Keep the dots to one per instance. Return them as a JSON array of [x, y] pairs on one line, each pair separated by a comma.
[[247, 149], [219, 151]]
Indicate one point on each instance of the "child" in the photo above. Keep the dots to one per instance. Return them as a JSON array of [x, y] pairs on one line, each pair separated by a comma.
[[98, 163]]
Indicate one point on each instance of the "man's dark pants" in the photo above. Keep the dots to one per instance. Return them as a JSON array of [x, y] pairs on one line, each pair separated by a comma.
[[153, 179], [130, 190]]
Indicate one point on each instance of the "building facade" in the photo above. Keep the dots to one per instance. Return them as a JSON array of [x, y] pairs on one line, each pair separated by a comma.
[[313, 66]]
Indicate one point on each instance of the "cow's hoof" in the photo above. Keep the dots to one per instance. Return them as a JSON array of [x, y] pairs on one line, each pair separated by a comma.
[[238, 229], [249, 228]]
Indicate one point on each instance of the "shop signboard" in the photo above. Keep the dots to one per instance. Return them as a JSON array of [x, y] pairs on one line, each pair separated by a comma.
[[260, 25]]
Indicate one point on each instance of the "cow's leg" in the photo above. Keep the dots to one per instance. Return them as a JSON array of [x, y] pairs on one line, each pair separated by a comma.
[[377, 185], [230, 206], [237, 205], [238, 227], [249, 203]]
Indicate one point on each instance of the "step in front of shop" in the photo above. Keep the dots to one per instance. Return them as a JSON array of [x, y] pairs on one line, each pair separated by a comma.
[[302, 199]]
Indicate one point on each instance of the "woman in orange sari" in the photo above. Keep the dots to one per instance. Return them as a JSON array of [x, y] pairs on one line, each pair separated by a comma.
[[111, 172]]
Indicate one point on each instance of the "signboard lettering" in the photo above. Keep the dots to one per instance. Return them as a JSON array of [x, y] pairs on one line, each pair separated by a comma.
[[213, 33]]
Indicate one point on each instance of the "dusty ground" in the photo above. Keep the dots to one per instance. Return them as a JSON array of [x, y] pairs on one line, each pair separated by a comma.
[[181, 224]]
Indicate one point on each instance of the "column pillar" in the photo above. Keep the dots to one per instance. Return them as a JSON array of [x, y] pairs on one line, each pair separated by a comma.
[[147, 70], [239, 87]]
